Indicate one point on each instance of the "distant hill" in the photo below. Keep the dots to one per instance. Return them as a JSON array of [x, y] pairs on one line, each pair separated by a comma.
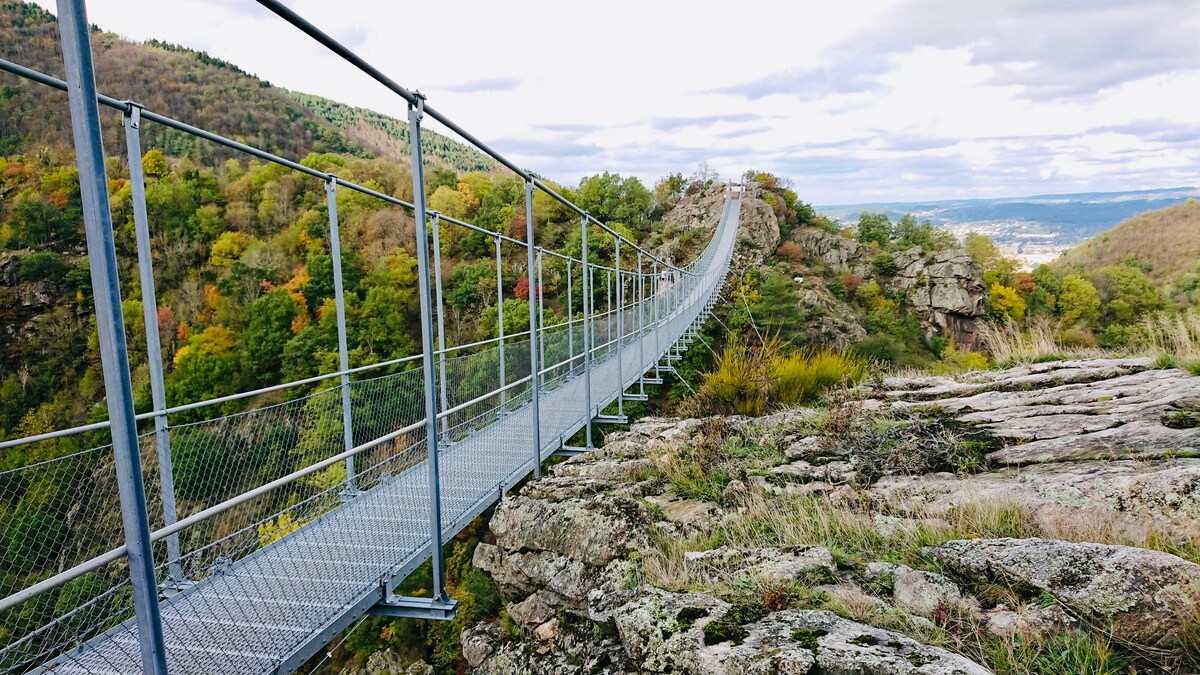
[[195, 88], [1036, 228], [1167, 241]]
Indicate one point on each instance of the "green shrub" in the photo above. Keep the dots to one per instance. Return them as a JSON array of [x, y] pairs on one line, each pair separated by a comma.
[[738, 383], [1116, 336], [884, 266], [42, 266], [745, 380], [880, 347], [801, 377]]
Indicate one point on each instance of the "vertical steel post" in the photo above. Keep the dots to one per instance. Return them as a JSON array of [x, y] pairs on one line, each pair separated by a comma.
[[535, 364], [570, 321], [587, 333], [608, 322], [657, 328], [339, 299], [110, 325], [641, 303], [158, 395], [620, 332], [541, 299], [415, 114], [441, 322], [500, 323]]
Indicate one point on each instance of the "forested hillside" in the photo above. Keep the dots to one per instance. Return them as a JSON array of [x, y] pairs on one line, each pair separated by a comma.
[[195, 88], [1165, 244]]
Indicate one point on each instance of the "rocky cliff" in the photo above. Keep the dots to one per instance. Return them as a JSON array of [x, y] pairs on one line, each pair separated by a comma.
[[944, 288], [695, 218], [907, 528]]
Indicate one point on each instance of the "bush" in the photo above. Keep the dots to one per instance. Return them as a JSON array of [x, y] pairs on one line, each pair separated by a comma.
[[746, 380], [1077, 336], [882, 348], [1116, 336], [801, 377], [42, 266], [790, 251], [838, 288], [737, 383], [884, 265], [851, 282]]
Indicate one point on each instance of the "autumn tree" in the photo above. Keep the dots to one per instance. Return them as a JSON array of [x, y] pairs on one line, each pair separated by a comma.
[[1078, 300]]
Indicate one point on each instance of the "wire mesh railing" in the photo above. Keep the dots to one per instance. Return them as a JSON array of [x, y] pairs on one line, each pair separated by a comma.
[[216, 542]]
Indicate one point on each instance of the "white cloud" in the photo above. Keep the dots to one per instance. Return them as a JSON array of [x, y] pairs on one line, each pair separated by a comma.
[[894, 99]]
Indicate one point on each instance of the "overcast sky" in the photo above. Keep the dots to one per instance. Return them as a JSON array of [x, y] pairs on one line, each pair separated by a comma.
[[856, 101]]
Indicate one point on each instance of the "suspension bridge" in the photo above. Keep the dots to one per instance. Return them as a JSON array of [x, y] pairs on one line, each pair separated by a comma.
[[320, 505]]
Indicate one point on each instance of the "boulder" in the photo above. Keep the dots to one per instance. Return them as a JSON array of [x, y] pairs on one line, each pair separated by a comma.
[[800, 642], [662, 631], [1140, 595], [488, 651], [915, 591], [1032, 622], [561, 550], [388, 662]]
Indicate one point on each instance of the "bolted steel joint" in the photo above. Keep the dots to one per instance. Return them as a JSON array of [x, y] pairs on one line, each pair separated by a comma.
[[133, 114], [420, 105]]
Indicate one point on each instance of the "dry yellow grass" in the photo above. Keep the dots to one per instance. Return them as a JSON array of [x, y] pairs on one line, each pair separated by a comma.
[[1173, 337], [852, 534]]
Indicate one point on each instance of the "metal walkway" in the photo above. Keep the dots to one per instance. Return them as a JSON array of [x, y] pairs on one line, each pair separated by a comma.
[[194, 541], [273, 610]]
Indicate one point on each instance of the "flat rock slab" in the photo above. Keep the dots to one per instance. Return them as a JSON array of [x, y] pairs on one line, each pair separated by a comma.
[[1140, 440], [1136, 593], [1036, 376], [1068, 411], [1166, 489], [808, 642]]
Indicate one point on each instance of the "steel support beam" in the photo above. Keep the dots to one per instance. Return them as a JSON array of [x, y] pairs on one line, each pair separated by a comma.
[[110, 325], [587, 333], [620, 333], [500, 326], [339, 300], [415, 115], [131, 120], [535, 363]]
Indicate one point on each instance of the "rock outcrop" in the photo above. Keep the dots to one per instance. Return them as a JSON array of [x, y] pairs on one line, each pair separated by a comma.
[[1071, 410], [828, 320], [758, 232], [758, 228], [554, 552], [661, 632], [944, 289], [576, 550], [388, 662], [1141, 596]]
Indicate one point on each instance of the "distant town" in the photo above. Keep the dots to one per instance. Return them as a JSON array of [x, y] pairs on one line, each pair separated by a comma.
[[1033, 229]]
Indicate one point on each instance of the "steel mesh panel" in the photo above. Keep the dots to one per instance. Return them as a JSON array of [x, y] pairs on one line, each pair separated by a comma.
[[264, 576]]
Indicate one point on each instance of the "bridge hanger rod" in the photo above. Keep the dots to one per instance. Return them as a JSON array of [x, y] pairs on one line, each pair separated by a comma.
[[285, 13]]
